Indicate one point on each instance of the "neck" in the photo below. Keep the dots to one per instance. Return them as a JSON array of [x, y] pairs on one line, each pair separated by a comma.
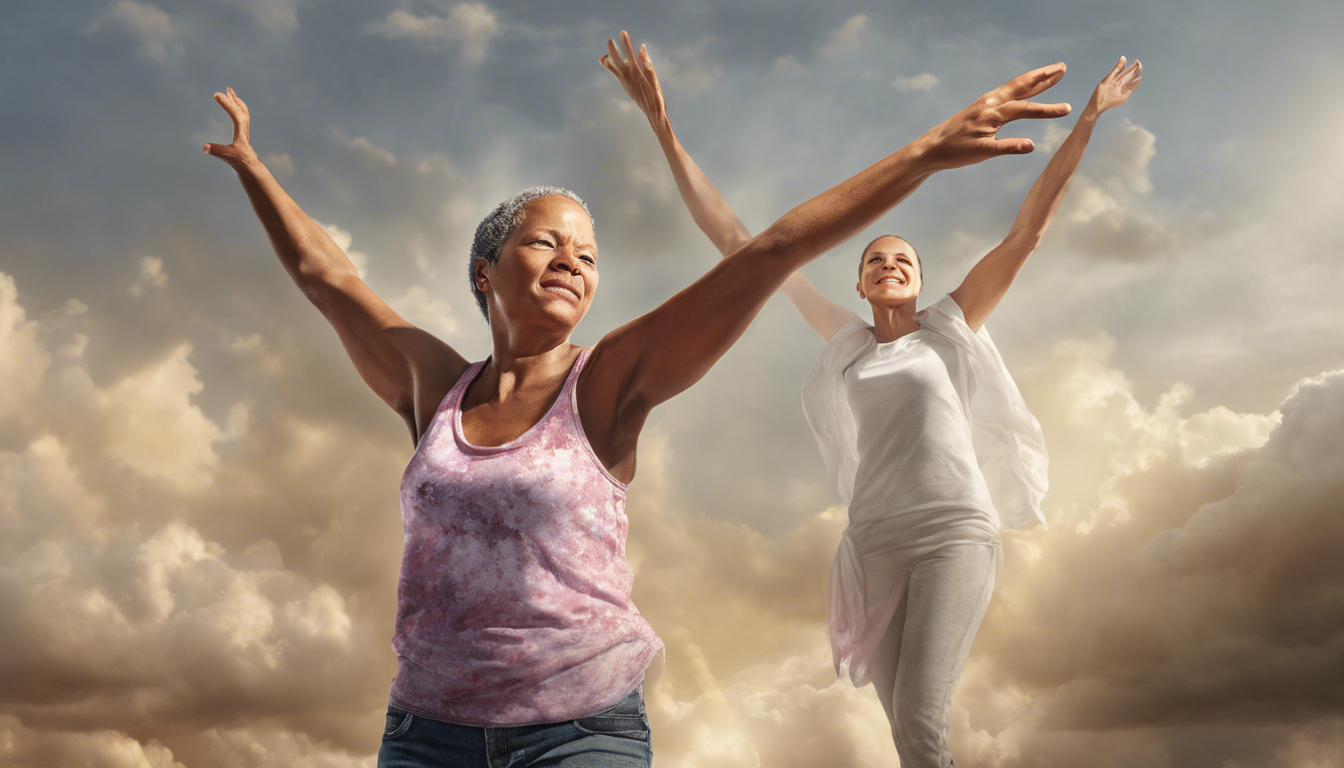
[[892, 322], [523, 359]]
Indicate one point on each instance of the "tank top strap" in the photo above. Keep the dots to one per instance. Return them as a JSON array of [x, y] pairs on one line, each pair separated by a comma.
[[576, 424], [459, 389], [566, 401]]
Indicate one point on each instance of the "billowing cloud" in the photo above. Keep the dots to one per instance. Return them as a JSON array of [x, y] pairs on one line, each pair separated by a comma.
[[281, 164], [157, 37], [693, 68], [924, 81], [274, 15], [23, 361], [199, 535], [344, 240], [22, 746], [1107, 213], [187, 630], [151, 275], [845, 38], [468, 28]]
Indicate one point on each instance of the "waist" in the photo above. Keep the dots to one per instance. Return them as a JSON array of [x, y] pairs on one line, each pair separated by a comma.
[[629, 706], [545, 678], [974, 524]]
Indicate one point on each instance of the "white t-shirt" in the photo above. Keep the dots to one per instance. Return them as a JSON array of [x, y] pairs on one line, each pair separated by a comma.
[[1006, 438], [914, 439]]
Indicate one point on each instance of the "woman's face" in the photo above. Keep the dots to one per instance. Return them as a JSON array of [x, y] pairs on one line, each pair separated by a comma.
[[889, 274], [547, 268]]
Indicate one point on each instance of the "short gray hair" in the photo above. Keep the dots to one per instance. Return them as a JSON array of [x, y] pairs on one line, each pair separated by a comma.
[[496, 227]]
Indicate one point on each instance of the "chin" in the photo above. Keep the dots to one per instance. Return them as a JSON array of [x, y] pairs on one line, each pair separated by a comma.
[[892, 300]]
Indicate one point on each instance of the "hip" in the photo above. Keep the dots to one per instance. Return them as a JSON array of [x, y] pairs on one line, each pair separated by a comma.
[[617, 737], [874, 531]]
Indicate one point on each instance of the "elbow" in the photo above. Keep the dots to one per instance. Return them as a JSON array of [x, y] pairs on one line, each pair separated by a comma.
[[762, 254], [322, 286], [1026, 240], [767, 247]]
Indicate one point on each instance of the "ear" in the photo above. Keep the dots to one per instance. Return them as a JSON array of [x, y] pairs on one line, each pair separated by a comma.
[[481, 275], [858, 286]]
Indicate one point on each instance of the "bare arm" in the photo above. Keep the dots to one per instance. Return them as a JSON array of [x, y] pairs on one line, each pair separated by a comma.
[[405, 366], [708, 208], [990, 278], [654, 357]]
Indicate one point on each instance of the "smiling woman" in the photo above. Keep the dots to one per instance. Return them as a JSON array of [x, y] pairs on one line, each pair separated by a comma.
[[922, 430], [516, 636], [495, 228]]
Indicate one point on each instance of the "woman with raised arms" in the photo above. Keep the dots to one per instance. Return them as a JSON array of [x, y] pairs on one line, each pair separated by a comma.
[[516, 638], [923, 432]]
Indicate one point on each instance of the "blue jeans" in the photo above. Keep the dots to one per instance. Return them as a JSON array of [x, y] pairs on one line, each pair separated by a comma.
[[616, 738]]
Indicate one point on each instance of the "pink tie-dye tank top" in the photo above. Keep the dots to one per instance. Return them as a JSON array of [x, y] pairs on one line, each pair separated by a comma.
[[514, 600]]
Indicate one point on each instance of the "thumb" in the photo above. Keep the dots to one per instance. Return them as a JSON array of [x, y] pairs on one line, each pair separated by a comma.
[[222, 151]]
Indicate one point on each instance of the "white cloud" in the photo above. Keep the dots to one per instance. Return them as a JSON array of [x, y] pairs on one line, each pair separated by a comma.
[[1101, 399], [1093, 623], [786, 64], [1122, 159], [275, 15], [150, 275], [344, 240], [280, 164], [373, 156], [924, 81], [23, 361], [183, 625], [155, 34], [427, 311], [692, 69], [469, 26], [22, 746], [1105, 214], [845, 38], [155, 430], [754, 717]]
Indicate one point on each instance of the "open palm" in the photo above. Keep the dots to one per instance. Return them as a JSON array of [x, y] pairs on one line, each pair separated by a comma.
[[1117, 85]]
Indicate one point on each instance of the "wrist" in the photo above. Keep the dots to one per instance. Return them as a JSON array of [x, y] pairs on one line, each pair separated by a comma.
[[662, 127], [250, 165], [923, 152]]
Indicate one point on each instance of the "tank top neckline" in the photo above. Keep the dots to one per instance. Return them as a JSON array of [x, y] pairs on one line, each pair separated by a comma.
[[469, 378]]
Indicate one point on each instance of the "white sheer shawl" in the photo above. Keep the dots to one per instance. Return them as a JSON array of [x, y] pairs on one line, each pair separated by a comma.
[[1009, 446]]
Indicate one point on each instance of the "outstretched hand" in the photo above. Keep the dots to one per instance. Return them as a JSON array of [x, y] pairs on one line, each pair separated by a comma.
[[635, 72], [1116, 86], [971, 135], [239, 152]]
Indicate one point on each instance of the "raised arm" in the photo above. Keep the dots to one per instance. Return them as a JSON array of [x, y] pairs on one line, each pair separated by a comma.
[[989, 279], [654, 357], [405, 366], [711, 212]]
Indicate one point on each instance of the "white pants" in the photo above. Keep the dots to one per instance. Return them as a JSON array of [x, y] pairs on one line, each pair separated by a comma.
[[920, 658]]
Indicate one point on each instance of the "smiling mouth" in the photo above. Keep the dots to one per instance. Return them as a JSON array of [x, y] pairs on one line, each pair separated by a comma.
[[889, 279], [562, 287]]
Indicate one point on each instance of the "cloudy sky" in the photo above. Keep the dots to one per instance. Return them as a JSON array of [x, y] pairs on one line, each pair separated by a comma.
[[199, 534]]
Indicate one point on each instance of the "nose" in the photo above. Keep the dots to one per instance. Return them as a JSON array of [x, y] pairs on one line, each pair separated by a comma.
[[565, 260]]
